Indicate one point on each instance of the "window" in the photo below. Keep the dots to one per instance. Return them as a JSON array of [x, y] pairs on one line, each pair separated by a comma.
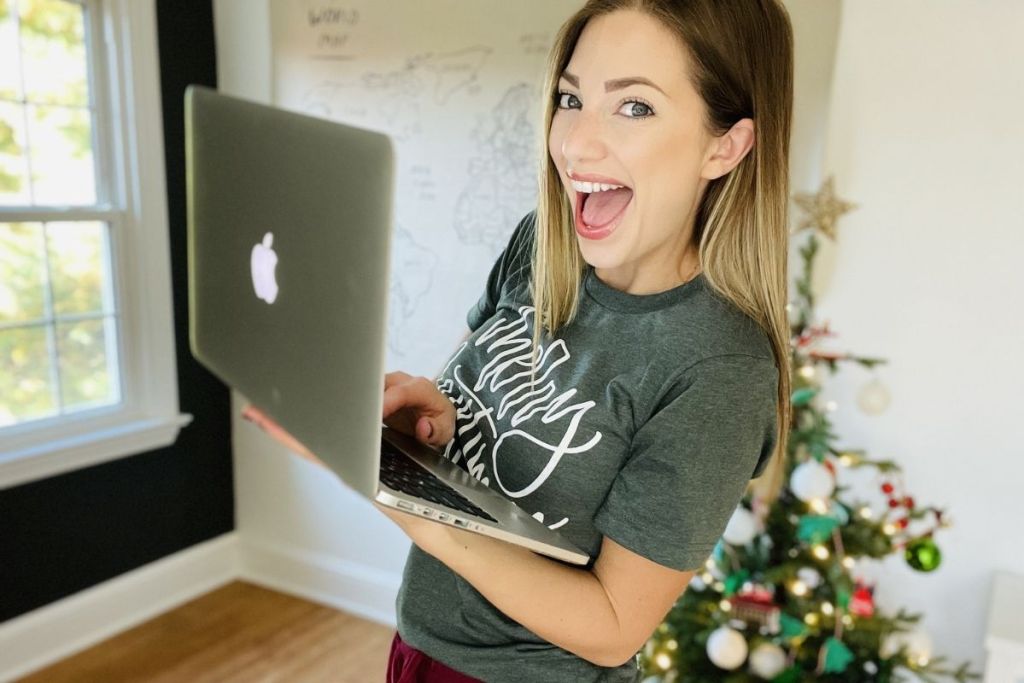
[[86, 332]]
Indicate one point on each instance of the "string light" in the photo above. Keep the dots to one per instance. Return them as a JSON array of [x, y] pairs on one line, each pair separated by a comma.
[[807, 371], [820, 552], [889, 528], [663, 661], [798, 587], [811, 618], [849, 562], [818, 505], [865, 512], [826, 607], [725, 605]]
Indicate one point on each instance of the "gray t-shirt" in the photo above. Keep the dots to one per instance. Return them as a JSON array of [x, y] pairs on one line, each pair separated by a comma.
[[650, 415]]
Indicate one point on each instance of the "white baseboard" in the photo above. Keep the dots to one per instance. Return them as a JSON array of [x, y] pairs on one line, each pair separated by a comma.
[[46, 635], [348, 586], [43, 636]]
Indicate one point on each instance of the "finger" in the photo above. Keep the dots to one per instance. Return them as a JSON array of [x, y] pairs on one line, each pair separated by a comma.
[[286, 439], [396, 377], [408, 395], [426, 431], [251, 413]]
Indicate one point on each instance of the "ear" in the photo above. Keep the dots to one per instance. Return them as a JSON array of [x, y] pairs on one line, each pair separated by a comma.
[[728, 149]]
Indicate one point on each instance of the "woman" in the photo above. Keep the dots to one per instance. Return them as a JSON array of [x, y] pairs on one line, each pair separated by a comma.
[[659, 384]]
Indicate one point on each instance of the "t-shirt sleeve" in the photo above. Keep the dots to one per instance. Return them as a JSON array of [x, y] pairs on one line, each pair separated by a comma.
[[690, 462], [510, 267]]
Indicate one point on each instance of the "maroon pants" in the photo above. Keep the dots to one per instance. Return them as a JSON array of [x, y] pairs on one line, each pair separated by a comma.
[[406, 664]]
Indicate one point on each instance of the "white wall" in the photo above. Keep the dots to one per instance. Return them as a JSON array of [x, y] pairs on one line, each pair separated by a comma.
[[926, 135]]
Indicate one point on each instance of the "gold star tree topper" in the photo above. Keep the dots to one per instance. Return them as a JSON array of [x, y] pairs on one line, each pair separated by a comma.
[[822, 209]]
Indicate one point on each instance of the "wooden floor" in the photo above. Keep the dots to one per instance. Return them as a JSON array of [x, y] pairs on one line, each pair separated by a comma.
[[239, 632]]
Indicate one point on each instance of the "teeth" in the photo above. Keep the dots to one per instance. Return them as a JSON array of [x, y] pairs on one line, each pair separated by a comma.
[[593, 187]]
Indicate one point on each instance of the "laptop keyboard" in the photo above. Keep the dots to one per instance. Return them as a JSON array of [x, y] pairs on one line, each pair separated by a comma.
[[402, 473]]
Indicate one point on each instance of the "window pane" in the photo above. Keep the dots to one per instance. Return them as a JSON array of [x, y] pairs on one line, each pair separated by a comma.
[[79, 270], [60, 152], [10, 76], [22, 272], [26, 391], [85, 372], [14, 186], [53, 52]]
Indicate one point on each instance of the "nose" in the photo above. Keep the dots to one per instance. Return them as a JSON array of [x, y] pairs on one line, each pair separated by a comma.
[[584, 140]]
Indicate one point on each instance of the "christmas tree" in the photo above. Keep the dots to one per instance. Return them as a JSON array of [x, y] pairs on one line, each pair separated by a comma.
[[778, 600]]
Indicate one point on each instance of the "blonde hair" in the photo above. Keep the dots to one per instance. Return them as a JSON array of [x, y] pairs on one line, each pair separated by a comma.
[[741, 56]]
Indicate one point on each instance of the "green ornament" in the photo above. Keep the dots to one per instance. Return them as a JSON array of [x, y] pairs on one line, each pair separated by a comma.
[[791, 627], [816, 528], [733, 582], [802, 397], [922, 554], [837, 656], [842, 597]]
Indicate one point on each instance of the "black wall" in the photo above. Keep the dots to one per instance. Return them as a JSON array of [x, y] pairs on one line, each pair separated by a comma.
[[63, 534]]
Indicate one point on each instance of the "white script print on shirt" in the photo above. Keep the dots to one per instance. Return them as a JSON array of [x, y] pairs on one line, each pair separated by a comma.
[[508, 343]]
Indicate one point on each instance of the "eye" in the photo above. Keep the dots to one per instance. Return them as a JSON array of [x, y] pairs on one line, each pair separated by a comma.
[[561, 96], [634, 106]]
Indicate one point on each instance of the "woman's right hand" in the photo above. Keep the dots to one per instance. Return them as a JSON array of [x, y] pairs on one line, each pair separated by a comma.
[[414, 406]]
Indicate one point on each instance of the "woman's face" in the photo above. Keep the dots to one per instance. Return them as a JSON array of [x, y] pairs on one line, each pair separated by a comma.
[[647, 137]]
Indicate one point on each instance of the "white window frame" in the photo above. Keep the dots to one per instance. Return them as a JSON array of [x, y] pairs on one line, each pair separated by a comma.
[[125, 74]]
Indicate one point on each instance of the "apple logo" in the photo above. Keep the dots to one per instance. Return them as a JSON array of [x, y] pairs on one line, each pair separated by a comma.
[[263, 263]]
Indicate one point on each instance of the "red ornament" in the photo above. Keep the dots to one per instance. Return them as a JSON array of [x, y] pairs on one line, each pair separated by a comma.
[[908, 502], [893, 503], [829, 466], [886, 487], [862, 602], [902, 523]]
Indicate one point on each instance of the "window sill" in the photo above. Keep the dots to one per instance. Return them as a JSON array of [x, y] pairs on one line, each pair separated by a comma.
[[54, 457]]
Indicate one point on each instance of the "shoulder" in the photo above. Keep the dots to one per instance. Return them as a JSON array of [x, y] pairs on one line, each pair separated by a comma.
[[704, 326]]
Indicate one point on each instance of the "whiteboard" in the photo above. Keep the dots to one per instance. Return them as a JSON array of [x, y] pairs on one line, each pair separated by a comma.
[[457, 84]]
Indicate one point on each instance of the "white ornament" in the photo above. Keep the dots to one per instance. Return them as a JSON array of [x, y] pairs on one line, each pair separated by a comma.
[[810, 576], [726, 648], [742, 527], [811, 479], [873, 397], [767, 660], [919, 646], [891, 642]]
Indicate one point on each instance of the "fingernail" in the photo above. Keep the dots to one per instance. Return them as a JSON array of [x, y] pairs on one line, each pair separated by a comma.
[[430, 430]]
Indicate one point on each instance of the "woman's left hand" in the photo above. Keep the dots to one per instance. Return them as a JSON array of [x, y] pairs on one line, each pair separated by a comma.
[[423, 533], [276, 432]]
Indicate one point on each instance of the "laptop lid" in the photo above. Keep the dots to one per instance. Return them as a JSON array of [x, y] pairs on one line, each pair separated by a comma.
[[289, 230]]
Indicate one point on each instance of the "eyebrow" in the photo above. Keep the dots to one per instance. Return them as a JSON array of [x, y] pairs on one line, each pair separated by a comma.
[[616, 83]]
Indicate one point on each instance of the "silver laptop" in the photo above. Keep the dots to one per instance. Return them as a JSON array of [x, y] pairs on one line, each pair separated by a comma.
[[289, 232]]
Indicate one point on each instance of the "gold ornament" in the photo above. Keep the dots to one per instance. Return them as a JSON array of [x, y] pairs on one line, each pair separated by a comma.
[[823, 208]]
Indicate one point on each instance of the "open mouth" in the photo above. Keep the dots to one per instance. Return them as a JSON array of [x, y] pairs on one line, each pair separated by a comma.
[[600, 210]]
